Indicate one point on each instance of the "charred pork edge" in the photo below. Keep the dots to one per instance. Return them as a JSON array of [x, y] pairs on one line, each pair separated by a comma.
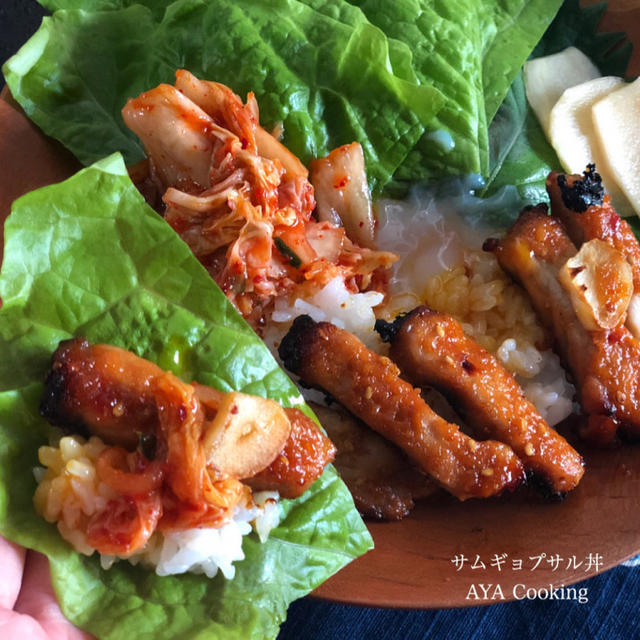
[[292, 349], [389, 330], [580, 194], [54, 395], [543, 486]]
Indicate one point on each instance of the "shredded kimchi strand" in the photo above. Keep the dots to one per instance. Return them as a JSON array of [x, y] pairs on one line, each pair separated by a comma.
[[257, 192]]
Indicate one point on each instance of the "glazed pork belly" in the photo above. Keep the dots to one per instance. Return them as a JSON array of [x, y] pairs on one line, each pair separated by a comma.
[[384, 483], [604, 362], [587, 214], [112, 393], [370, 387], [300, 463], [432, 349], [102, 390]]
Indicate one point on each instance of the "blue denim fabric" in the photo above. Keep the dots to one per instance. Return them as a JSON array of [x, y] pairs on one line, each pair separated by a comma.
[[613, 612]]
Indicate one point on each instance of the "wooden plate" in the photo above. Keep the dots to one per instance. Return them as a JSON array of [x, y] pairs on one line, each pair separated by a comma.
[[413, 564]]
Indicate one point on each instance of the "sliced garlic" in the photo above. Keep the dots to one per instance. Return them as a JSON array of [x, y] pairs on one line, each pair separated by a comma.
[[246, 434], [599, 282], [633, 315]]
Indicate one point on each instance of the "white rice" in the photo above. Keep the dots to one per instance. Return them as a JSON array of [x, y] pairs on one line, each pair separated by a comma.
[[336, 304], [69, 492], [431, 239], [207, 550], [333, 303]]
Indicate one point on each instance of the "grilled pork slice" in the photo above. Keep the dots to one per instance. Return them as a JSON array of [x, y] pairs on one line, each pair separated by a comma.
[[604, 363], [370, 387], [431, 349], [101, 389], [121, 398], [300, 463], [587, 214], [384, 483]]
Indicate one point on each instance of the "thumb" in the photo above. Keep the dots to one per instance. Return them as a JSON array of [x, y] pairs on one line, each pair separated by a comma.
[[37, 599]]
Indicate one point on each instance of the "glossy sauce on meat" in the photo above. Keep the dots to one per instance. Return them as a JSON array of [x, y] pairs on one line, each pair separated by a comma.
[[603, 363], [431, 349], [599, 221], [101, 389], [120, 397], [369, 386], [300, 463]]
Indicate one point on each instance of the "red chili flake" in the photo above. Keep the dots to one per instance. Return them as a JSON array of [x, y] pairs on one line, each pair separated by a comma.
[[234, 410], [614, 336]]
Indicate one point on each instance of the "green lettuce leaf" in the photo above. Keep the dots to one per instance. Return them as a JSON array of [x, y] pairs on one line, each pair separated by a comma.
[[511, 28], [416, 82], [471, 51], [88, 257], [447, 46], [92, 6], [329, 83], [520, 152]]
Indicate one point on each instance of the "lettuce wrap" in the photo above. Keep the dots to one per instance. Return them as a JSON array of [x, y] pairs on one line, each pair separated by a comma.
[[415, 82], [88, 257]]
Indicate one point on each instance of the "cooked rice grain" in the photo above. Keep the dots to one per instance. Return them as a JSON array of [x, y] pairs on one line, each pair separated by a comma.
[[491, 308], [497, 314], [69, 492]]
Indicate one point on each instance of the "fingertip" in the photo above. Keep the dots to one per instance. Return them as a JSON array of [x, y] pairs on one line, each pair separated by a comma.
[[38, 599], [12, 558]]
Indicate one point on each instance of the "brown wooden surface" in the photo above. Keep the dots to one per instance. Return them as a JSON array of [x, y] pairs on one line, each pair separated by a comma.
[[412, 563], [28, 159], [623, 15], [412, 566]]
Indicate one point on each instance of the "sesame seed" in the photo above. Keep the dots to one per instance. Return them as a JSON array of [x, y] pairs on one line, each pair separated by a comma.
[[440, 331], [487, 472], [368, 393], [473, 445], [118, 410], [523, 425], [529, 450], [449, 360]]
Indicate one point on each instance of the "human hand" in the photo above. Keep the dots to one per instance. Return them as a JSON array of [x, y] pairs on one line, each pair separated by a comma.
[[28, 605]]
